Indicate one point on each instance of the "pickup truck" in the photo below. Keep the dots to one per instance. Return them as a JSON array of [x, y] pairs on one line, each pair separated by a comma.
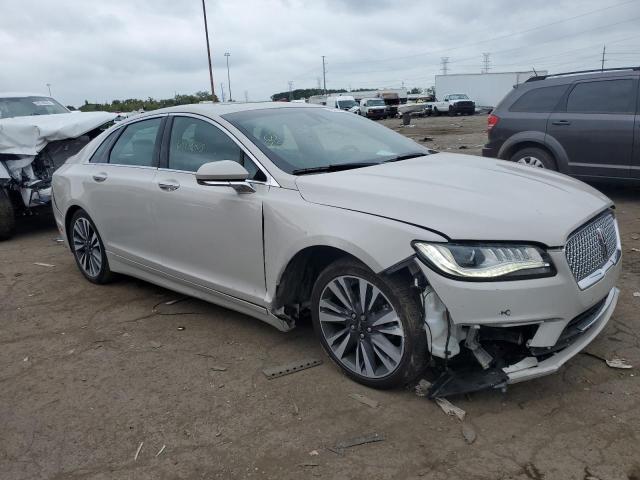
[[453, 104], [373, 108]]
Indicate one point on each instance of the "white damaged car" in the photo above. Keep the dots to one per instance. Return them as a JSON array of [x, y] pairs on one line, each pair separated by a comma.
[[403, 257], [37, 135]]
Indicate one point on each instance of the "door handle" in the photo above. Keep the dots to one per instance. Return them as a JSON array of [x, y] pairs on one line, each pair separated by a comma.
[[561, 122], [100, 177], [168, 187]]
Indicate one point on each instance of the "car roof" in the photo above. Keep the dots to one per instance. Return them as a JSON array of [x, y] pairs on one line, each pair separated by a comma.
[[566, 78], [21, 94]]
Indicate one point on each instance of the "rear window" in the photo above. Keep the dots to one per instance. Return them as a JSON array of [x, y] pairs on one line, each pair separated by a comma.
[[605, 96], [541, 100]]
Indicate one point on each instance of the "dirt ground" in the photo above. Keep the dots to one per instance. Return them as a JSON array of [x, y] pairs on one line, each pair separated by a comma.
[[90, 375]]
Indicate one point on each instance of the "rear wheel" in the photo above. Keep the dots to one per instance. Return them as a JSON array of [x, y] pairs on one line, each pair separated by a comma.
[[7, 216], [88, 249], [370, 326], [534, 157]]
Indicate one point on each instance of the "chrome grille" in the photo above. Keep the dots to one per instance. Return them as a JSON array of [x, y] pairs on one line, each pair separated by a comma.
[[591, 246]]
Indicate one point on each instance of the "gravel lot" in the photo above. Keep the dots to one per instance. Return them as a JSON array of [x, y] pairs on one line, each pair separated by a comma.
[[89, 374]]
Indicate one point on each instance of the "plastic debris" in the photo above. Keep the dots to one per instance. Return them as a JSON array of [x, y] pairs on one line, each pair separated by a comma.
[[40, 264], [275, 372], [366, 400], [138, 451], [619, 363], [340, 447], [635, 249], [161, 450], [450, 409], [422, 388], [314, 453], [181, 328], [469, 433]]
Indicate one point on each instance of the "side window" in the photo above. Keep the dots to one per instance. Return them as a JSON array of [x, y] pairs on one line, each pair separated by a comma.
[[605, 96], [540, 100], [101, 155], [136, 145], [194, 142]]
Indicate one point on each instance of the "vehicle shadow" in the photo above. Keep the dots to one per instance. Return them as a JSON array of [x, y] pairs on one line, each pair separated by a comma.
[[41, 221]]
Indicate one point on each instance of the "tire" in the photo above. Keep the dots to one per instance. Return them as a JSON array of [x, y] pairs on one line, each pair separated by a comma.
[[83, 236], [535, 157], [436, 111], [452, 113], [350, 338], [7, 216]]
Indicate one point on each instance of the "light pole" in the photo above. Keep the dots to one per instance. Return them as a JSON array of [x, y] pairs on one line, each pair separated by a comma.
[[227, 54], [206, 32], [49, 87]]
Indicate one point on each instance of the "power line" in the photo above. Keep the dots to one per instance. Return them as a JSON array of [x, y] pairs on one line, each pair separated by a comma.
[[444, 62], [486, 62]]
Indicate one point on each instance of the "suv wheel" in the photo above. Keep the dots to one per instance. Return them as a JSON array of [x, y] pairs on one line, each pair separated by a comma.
[[370, 326], [88, 249], [534, 157]]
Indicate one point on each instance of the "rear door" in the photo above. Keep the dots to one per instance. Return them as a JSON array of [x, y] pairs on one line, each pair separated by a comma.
[[118, 187], [595, 126], [635, 159]]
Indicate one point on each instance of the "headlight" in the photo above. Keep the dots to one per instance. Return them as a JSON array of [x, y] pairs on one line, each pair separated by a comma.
[[485, 262]]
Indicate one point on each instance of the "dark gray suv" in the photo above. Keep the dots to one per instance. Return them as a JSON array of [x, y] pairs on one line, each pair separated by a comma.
[[585, 124]]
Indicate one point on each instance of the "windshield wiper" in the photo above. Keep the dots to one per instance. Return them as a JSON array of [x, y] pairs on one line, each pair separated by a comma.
[[334, 167], [406, 156]]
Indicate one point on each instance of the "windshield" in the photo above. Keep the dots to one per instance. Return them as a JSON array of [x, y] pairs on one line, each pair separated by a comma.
[[458, 96], [28, 106], [375, 103], [346, 104], [303, 138]]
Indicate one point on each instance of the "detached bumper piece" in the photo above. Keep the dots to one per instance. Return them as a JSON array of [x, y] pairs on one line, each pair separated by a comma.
[[467, 381]]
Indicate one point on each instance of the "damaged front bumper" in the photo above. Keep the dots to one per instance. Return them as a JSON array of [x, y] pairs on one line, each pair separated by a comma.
[[490, 334]]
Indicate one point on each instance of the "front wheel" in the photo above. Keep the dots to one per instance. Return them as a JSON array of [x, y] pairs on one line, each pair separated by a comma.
[[534, 157], [7, 216], [88, 249], [370, 326]]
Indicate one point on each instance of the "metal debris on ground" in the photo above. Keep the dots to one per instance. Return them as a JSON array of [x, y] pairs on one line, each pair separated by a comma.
[[450, 409], [161, 450], [366, 400], [282, 370], [636, 294], [635, 249], [309, 464], [138, 451], [469, 433], [422, 388], [40, 264], [58, 240], [340, 447], [619, 363], [218, 369], [181, 328]]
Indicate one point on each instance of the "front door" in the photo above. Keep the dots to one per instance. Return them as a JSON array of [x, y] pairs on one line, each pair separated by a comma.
[[208, 235], [595, 127]]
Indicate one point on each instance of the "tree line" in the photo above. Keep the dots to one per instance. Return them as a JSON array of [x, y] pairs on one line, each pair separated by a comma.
[[131, 104]]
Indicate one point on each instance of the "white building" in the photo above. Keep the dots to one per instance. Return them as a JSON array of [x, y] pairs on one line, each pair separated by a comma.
[[486, 89]]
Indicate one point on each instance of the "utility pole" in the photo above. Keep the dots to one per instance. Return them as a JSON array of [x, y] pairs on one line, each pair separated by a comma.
[[444, 61], [227, 54], [604, 49], [324, 76], [486, 62], [206, 32], [246, 96], [290, 94], [49, 87], [222, 91]]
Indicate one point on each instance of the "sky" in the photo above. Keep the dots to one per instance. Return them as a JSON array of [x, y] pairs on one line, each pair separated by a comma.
[[117, 49]]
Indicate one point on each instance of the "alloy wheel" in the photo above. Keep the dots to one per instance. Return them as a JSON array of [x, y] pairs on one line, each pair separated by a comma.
[[86, 247], [361, 327], [531, 161]]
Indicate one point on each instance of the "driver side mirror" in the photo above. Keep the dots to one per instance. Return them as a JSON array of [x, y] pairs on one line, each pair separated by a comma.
[[224, 173]]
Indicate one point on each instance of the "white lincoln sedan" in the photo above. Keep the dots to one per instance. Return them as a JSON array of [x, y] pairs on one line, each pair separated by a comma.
[[487, 271]]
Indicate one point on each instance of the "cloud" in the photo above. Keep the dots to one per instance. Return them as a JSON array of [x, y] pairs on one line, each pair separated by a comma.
[[121, 49]]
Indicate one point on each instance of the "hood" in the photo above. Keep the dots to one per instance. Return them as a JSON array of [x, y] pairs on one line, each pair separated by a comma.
[[29, 135], [463, 197]]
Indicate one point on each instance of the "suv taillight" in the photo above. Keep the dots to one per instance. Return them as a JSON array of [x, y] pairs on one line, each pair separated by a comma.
[[492, 121]]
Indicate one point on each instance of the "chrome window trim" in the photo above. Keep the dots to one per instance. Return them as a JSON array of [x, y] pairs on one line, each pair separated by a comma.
[[270, 180]]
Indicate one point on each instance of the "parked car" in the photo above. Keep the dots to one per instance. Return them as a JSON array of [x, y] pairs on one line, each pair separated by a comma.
[[584, 124], [343, 102], [37, 135], [453, 104], [374, 108], [397, 253]]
